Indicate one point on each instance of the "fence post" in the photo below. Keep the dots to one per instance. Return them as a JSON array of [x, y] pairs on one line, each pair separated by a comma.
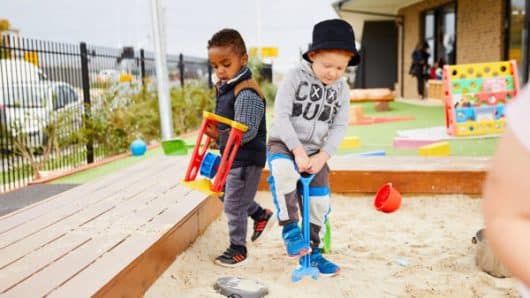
[[210, 81], [181, 69], [86, 97], [142, 67]]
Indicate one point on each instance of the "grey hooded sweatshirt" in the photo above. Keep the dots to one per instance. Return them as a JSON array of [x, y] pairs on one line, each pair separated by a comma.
[[307, 113]]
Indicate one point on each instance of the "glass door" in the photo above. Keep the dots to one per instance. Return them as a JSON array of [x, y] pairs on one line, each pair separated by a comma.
[[517, 35]]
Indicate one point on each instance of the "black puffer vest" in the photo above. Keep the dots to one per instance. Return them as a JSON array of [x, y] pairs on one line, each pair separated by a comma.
[[253, 152]]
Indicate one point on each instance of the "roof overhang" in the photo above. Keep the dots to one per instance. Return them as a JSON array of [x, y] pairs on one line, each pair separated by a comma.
[[356, 12]]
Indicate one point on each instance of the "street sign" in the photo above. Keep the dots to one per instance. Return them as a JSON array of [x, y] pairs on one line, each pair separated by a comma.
[[266, 52]]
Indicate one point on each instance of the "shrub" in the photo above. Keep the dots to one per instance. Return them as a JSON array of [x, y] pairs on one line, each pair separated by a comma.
[[118, 117]]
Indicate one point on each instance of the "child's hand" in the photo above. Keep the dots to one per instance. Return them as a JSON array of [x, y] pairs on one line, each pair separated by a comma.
[[302, 160], [212, 131], [318, 161]]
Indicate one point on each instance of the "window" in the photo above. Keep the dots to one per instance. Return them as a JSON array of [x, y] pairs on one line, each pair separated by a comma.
[[516, 11], [439, 30], [58, 98], [69, 94]]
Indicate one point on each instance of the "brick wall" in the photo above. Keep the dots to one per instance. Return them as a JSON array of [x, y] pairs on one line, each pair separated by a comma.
[[480, 35]]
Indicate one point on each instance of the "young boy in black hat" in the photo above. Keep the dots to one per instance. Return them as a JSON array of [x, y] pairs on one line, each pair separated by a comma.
[[310, 120], [239, 98]]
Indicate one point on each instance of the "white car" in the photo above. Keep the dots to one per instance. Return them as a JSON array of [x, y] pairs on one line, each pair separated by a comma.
[[14, 71], [28, 108]]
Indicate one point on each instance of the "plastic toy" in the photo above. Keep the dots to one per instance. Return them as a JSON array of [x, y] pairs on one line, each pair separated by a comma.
[[475, 94], [350, 143], [138, 147], [387, 199], [305, 269], [373, 153], [436, 149], [175, 147], [410, 143], [326, 248], [211, 165]]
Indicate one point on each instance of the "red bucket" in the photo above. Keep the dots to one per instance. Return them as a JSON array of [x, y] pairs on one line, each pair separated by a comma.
[[387, 198]]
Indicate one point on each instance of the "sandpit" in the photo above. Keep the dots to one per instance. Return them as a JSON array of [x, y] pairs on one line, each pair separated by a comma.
[[423, 249]]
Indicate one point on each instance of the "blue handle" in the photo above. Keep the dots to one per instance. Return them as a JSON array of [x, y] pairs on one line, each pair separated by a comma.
[[306, 181]]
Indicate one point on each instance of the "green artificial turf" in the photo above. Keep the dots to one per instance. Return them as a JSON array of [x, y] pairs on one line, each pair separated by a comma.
[[380, 136]]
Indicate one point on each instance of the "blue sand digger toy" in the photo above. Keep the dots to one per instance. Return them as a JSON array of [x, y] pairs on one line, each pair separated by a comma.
[[305, 268]]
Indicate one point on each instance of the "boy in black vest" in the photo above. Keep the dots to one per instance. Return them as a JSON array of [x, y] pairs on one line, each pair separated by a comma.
[[239, 98]]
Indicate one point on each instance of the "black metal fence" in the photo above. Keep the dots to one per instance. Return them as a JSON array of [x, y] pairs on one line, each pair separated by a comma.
[[49, 89]]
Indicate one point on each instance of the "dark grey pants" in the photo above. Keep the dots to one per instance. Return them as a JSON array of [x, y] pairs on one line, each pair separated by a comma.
[[240, 190]]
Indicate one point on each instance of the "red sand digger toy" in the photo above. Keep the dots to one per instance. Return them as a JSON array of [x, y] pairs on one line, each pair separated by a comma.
[[211, 165]]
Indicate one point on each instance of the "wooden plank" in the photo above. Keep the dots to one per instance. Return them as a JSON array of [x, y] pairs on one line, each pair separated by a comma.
[[128, 189], [130, 269], [134, 280], [105, 224], [442, 182], [110, 179], [101, 242], [90, 192], [89, 217], [441, 175]]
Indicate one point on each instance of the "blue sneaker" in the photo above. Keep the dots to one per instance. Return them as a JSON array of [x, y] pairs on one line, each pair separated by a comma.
[[294, 241], [325, 267]]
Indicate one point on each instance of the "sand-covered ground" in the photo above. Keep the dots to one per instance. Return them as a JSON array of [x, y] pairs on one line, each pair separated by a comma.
[[423, 249]]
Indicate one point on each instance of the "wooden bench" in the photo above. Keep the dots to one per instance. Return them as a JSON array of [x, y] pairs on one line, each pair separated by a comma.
[[111, 237], [381, 97]]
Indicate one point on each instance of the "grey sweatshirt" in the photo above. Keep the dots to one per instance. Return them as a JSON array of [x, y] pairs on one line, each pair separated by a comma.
[[309, 114]]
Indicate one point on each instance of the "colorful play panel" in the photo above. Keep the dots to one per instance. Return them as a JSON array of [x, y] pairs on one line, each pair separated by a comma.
[[475, 96]]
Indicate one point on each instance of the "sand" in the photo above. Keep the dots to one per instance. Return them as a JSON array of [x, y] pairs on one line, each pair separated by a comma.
[[423, 249]]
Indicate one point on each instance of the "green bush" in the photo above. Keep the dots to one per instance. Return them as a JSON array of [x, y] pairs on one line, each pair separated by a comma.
[[120, 116], [269, 89]]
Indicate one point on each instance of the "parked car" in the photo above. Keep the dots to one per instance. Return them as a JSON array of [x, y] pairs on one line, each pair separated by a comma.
[[14, 71], [29, 108]]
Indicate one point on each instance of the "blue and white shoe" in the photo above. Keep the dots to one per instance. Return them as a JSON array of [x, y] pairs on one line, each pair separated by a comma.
[[294, 241], [325, 267]]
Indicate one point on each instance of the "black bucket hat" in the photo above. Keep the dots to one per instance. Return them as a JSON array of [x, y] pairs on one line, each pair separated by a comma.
[[334, 34]]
